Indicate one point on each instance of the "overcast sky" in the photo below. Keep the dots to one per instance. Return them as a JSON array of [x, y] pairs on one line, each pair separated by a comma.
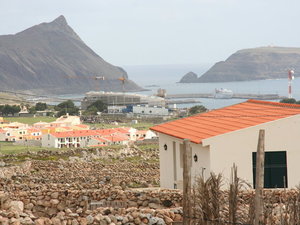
[[148, 32]]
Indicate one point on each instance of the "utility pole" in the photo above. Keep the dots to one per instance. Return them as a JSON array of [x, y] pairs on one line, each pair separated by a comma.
[[259, 180], [187, 163], [290, 78]]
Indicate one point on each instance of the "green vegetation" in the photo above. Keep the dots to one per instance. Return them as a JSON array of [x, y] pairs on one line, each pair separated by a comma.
[[10, 148], [97, 106], [290, 101], [148, 146], [66, 107], [30, 120], [9, 109], [139, 126], [40, 106], [197, 109]]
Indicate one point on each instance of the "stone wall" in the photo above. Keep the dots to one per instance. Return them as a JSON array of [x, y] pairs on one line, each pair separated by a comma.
[[10, 171]]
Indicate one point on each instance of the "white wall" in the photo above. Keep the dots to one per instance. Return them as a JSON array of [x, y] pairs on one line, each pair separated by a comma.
[[49, 141], [150, 110], [237, 147], [167, 171]]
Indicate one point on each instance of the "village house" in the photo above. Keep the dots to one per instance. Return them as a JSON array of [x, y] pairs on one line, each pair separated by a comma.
[[13, 131], [68, 139], [227, 136]]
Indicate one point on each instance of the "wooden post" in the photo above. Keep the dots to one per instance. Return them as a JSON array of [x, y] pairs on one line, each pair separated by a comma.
[[187, 163], [259, 180]]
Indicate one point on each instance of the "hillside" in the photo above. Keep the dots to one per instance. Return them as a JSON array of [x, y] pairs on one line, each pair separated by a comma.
[[253, 64], [51, 58]]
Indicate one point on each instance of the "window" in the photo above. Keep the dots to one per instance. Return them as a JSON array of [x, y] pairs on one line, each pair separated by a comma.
[[275, 171]]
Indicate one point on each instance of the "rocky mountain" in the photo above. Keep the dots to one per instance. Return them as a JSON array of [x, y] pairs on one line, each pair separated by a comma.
[[253, 64], [190, 77], [51, 58]]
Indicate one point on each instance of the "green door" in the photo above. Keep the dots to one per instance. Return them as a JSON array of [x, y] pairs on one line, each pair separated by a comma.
[[275, 169]]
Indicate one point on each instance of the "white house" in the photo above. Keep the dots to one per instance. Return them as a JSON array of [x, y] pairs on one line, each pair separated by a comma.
[[229, 135], [68, 139]]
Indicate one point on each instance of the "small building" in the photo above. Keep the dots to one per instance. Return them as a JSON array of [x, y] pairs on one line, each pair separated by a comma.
[[153, 111], [227, 136]]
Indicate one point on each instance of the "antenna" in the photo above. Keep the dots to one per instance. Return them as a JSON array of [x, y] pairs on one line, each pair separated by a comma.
[[290, 78]]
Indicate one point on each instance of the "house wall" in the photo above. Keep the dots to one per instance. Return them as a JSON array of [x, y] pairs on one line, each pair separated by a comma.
[[172, 173], [49, 141], [237, 147]]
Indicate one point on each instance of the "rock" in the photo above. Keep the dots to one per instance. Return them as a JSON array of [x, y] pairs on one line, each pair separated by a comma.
[[29, 206], [103, 222], [137, 220], [168, 220], [39, 221], [178, 217], [108, 220], [83, 221], [89, 219], [54, 201], [16, 206], [27, 221], [190, 77], [56, 221], [132, 204], [154, 206], [55, 195], [98, 217], [145, 220]]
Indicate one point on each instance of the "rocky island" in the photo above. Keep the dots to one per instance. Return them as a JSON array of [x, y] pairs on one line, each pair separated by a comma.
[[51, 58], [251, 64]]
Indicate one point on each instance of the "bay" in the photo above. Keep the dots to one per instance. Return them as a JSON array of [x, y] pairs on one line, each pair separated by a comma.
[[168, 76], [153, 77]]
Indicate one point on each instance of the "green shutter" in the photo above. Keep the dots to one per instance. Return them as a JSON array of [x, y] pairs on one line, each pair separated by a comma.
[[275, 169]]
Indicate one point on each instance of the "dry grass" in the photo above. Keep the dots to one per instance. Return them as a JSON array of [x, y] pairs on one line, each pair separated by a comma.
[[211, 205]]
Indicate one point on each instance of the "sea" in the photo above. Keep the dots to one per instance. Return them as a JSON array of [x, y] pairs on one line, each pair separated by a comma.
[[153, 77]]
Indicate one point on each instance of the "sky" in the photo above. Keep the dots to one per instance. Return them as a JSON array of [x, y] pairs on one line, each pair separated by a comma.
[[161, 32]]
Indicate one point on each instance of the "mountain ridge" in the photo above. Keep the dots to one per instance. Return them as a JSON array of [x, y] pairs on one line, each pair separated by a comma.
[[253, 64], [51, 57]]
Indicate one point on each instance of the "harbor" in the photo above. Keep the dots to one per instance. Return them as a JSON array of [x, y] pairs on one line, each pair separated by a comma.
[[235, 96]]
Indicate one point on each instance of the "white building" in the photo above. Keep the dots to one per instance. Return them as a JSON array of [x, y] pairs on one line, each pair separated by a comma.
[[150, 111], [68, 139], [227, 136]]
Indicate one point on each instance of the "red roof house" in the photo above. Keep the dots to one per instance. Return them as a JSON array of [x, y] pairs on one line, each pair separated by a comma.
[[221, 137]]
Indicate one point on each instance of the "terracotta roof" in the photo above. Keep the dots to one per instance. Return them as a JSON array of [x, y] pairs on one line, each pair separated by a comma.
[[77, 133], [100, 139], [227, 119], [115, 138]]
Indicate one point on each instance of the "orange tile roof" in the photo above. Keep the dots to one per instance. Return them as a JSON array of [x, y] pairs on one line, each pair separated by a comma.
[[227, 119], [77, 133], [115, 138], [100, 139]]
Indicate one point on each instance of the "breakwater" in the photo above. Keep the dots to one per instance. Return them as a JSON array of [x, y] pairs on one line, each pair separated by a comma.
[[236, 95]]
